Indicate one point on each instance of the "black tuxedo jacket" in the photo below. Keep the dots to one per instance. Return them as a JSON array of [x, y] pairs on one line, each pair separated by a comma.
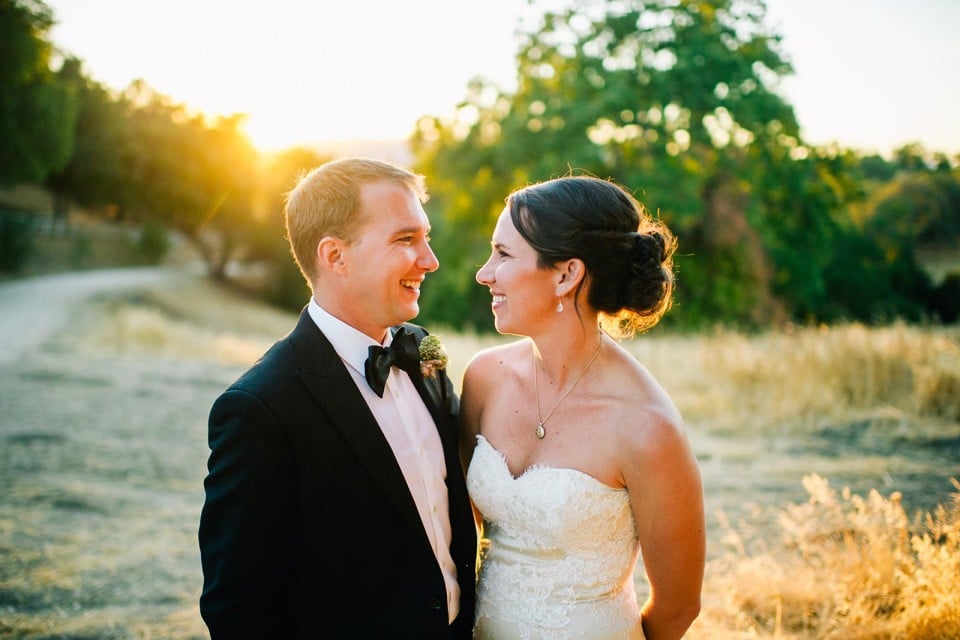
[[308, 529]]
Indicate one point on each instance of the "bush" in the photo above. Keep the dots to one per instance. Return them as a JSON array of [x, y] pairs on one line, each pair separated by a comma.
[[16, 241], [946, 299], [153, 242]]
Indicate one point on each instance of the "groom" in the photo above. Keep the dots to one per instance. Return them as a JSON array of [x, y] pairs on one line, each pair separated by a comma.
[[335, 503]]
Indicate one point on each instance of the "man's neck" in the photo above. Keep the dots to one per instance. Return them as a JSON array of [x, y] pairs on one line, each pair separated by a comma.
[[378, 334]]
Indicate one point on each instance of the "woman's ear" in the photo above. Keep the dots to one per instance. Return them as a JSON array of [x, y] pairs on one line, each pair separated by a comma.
[[330, 254], [570, 273]]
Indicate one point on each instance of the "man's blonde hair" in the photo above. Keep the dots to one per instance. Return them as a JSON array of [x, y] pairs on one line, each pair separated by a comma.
[[326, 201]]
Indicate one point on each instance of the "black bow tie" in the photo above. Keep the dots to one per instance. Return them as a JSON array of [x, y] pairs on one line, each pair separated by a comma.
[[401, 353]]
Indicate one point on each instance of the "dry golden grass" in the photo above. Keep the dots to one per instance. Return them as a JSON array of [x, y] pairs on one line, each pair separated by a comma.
[[843, 568], [192, 321], [839, 566], [834, 565], [725, 382], [802, 377]]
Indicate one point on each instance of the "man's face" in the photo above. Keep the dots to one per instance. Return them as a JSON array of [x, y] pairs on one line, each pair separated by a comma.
[[388, 260]]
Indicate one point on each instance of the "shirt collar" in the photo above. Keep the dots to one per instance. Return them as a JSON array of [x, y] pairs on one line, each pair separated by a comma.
[[350, 344]]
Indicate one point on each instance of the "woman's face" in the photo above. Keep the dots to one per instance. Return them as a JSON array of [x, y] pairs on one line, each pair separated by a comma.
[[524, 295]]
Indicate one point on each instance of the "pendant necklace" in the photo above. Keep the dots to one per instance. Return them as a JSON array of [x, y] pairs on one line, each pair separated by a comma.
[[540, 431]]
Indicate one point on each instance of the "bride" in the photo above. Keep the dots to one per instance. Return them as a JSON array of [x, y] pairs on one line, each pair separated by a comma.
[[577, 459]]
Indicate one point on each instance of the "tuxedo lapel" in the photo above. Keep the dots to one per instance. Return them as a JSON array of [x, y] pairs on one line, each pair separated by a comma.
[[431, 396], [432, 393], [326, 377]]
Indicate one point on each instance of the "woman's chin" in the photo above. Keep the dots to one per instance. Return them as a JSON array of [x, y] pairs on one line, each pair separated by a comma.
[[504, 328]]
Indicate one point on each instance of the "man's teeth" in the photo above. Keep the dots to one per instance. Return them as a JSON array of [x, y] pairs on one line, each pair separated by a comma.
[[499, 298], [411, 284]]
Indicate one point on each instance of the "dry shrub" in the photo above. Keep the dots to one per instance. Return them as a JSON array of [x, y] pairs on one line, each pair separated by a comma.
[[845, 567]]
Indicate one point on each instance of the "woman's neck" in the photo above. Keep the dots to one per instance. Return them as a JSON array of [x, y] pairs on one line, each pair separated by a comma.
[[562, 353]]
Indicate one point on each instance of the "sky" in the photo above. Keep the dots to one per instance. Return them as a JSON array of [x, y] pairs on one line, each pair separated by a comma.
[[870, 74]]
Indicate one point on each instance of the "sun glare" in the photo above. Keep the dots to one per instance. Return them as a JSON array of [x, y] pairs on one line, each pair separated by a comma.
[[269, 135], [278, 133]]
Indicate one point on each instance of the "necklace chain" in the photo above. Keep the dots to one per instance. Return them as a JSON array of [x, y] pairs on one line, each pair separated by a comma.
[[540, 431]]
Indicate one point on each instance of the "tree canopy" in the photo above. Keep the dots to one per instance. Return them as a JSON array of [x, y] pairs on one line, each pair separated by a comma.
[[678, 100], [37, 112]]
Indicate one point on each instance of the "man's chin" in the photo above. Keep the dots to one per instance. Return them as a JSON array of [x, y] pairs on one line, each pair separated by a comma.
[[409, 313]]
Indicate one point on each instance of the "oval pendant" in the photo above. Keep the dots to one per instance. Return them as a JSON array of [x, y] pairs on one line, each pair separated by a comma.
[[540, 431]]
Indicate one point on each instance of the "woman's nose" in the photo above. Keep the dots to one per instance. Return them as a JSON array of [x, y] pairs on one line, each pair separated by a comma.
[[485, 274]]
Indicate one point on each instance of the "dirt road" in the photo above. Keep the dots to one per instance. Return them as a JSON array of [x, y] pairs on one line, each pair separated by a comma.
[[33, 309], [105, 382]]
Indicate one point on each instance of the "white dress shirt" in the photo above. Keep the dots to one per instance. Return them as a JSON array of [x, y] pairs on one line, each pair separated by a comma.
[[412, 435]]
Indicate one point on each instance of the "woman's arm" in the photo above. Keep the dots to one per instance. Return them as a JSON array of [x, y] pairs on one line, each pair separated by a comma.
[[471, 407], [471, 410], [666, 495]]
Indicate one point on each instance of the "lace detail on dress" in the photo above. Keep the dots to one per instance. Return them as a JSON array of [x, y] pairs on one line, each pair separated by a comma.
[[561, 554]]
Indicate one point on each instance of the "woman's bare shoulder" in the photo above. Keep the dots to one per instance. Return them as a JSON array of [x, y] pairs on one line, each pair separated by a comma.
[[495, 361], [648, 419]]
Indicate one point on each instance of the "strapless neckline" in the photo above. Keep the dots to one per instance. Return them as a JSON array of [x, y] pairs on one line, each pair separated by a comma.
[[538, 468], [559, 554]]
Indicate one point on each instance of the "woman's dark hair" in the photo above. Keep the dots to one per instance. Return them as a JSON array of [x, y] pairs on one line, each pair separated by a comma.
[[627, 254]]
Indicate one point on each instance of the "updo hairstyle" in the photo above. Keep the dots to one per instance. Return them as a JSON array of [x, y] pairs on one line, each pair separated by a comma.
[[627, 254]]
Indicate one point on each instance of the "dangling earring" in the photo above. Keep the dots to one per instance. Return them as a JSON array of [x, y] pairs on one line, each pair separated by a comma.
[[559, 305]]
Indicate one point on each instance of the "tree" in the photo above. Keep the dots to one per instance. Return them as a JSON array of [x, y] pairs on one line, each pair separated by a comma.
[[189, 173], [918, 208], [911, 157], [37, 112], [284, 285], [674, 98], [876, 167], [96, 175]]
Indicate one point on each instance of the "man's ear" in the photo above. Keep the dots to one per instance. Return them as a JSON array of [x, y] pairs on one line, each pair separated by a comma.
[[569, 275], [331, 254]]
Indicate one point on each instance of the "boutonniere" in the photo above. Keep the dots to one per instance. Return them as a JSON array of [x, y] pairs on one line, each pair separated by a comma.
[[433, 356]]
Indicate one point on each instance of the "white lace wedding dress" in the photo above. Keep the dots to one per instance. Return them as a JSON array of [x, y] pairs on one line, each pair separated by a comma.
[[561, 554]]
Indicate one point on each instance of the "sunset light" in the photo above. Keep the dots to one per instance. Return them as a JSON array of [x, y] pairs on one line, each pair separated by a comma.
[[306, 72], [692, 266], [303, 72]]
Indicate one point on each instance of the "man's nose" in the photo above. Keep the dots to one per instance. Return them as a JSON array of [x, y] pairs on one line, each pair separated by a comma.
[[428, 259]]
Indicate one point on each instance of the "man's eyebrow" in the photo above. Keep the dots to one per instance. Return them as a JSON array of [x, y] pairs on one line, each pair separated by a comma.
[[412, 229]]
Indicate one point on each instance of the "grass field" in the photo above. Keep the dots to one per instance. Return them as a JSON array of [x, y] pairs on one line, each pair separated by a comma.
[[825, 454]]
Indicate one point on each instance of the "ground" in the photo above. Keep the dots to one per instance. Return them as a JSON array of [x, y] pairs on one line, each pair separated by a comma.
[[103, 406]]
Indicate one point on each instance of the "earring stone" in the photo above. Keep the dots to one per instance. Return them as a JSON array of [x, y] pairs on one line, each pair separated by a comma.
[[559, 306]]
